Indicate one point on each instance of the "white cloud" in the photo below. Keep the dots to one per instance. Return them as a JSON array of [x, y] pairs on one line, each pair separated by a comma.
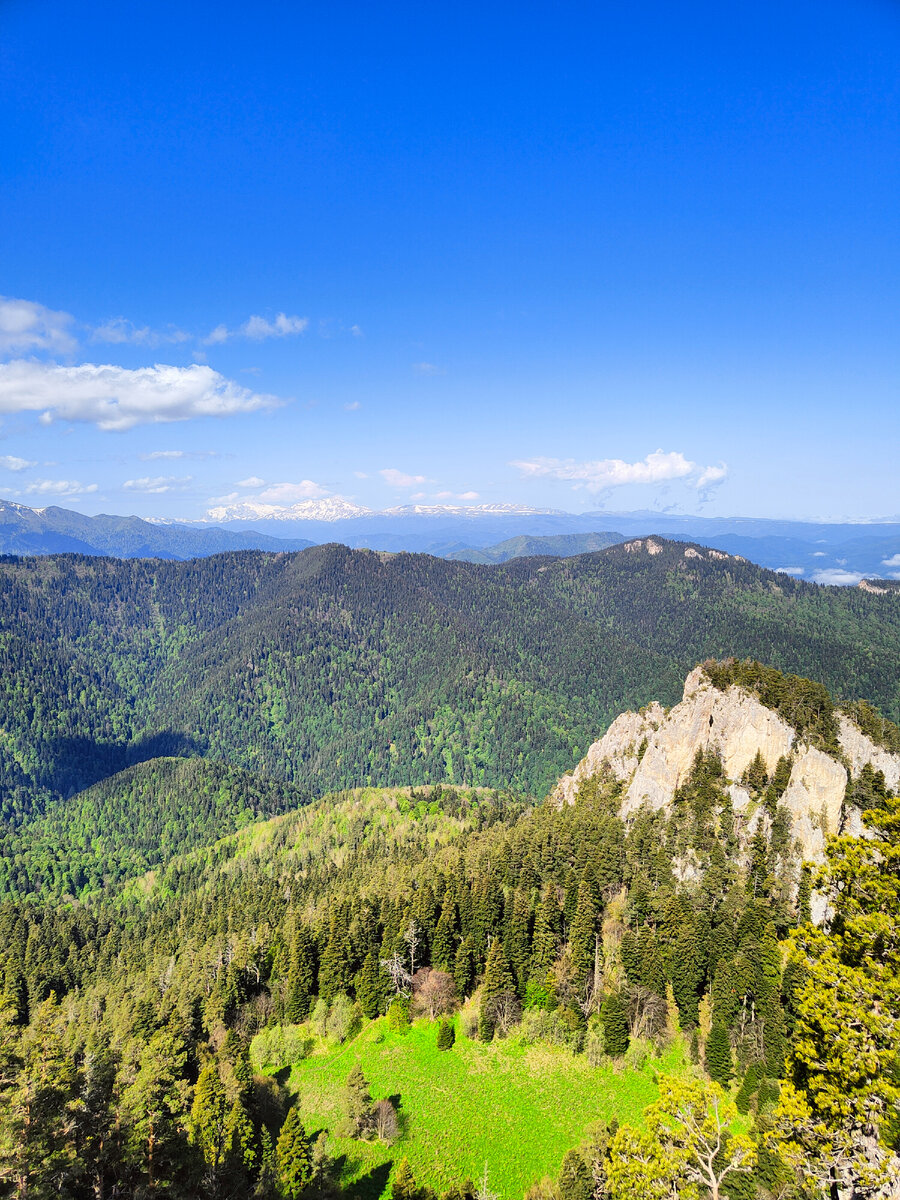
[[253, 481], [837, 576], [154, 455], [427, 368], [258, 329], [116, 398], [9, 462], [353, 406], [819, 554], [893, 561], [25, 325], [120, 331], [400, 479], [790, 570], [356, 331], [598, 475], [59, 487], [360, 475], [418, 496], [290, 493], [158, 484], [468, 495]]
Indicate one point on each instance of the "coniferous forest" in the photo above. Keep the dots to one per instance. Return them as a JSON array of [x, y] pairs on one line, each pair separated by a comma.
[[272, 823]]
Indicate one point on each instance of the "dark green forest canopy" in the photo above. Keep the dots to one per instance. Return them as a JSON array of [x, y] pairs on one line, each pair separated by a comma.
[[333, 667]]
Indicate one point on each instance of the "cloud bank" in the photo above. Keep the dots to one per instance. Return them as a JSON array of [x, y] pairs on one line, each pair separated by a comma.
[[116, 398], [59, 487], [602, 474]]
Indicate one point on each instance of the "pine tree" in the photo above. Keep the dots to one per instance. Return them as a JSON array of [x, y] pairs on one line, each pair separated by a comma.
[[718, 1054], [294, 1157], [614, 1018]]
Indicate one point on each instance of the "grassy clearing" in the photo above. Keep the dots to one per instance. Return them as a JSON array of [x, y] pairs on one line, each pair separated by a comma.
[[516, 1108]]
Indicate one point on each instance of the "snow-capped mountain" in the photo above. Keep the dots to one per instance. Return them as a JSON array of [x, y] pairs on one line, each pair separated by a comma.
[[332, 508], [337, 508]]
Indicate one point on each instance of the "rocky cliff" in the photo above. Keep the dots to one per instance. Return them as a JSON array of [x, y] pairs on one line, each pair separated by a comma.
[[652, 752]]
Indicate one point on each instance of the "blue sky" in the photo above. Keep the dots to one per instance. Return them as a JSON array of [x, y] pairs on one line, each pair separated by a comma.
[[574, 255]]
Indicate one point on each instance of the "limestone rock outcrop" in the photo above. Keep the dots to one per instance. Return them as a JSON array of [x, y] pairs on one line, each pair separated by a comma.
[[652, 753]]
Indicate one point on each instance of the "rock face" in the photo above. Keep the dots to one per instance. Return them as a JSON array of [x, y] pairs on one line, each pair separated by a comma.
[[653, 752]]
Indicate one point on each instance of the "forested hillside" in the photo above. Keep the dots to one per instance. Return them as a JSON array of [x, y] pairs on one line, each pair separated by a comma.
[[196, 1032], [332, 667]]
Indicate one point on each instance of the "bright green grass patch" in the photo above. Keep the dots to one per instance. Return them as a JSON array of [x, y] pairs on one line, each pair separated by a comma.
[[516, 1108]]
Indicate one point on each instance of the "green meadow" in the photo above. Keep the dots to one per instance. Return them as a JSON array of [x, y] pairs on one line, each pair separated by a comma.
[[516, 1108]]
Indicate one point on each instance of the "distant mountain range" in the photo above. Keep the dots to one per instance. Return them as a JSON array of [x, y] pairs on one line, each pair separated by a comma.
[[824, 552], [60, 530]]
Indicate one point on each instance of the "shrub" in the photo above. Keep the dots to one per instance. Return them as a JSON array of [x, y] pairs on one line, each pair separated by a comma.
[[398, 1015], [341, 1019], [469, 1022], [538, 1025], [595, 1045]]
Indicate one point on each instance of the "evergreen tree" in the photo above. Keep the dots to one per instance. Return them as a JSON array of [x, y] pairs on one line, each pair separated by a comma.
[[443, 948], [446, 1035], [717, 1059], [358, 1104], [293, 1157], [403, 1185], [582, 935], [209, 1116], [614, 1018], [686, 972], [301, 975], [575, 1180], [464, 969], [498, 982], [545, 944]]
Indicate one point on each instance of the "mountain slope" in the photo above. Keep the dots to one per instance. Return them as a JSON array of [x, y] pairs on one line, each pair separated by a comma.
[[335, 668], [565, 544], [137, 819]]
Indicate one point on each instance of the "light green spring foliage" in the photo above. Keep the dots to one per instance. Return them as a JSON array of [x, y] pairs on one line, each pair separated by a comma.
[[838, 1116], [687, 1149]]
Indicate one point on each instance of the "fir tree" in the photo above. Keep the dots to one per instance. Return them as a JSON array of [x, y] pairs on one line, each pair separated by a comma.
[[446, 1035], [614, 1018], [582, 936], [294, 1157], [443, 948], [717, 1059], [575, 1179], [358, 1104]]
